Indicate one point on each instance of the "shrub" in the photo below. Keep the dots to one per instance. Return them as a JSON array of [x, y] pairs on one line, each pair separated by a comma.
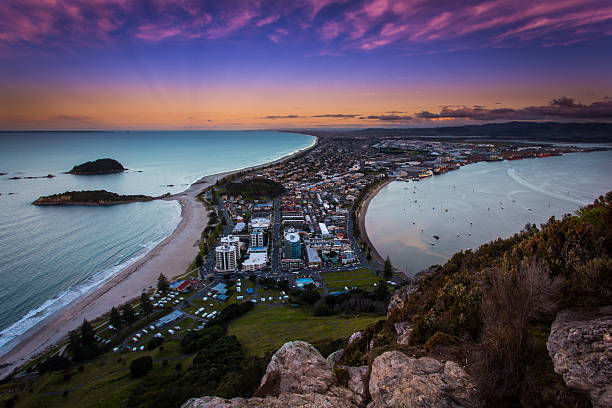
[[154, 343], [141, 366]]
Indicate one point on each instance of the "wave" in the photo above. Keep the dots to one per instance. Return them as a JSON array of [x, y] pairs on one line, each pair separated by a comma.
[[512, 173], [50, 306]]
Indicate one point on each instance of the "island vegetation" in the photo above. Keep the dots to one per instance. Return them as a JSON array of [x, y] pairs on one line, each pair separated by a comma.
[[100, 166], [95, 197]]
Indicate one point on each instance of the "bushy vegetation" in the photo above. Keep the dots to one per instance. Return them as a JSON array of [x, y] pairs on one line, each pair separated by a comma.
[[99, 166], [141, 366], [355, 301], [231, 312], [255, 188], [499, 301], [89, 197], [219, 368]]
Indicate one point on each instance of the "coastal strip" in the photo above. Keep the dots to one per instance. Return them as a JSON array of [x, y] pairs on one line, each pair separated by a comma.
[[362, 209], [171, 257]]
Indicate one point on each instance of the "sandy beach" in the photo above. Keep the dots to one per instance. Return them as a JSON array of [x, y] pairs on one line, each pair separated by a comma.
[[171, 257], [363, 209]]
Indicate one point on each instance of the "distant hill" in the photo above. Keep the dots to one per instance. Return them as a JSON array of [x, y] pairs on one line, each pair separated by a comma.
[[542, 131], [100, 166]]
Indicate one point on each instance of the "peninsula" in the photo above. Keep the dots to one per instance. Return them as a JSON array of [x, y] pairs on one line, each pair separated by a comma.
[[100, 166], [96, 197]]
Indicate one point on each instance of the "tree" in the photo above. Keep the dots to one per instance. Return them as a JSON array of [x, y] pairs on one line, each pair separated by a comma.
[[388, 271], [127, 314], [115, 319], [199, 261], [74, 344], [162, 283], [147, 307], [88, 336], [141, 366]]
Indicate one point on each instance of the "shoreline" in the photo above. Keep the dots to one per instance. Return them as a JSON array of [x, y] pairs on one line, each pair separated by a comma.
[[362, 211], [376, 256], [171, 256]]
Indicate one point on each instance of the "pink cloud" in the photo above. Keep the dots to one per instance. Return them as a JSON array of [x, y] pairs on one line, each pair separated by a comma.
[[346, 25]]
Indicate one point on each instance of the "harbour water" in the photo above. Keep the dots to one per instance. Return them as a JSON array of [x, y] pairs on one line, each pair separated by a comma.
[[53, 254], [478, 203]]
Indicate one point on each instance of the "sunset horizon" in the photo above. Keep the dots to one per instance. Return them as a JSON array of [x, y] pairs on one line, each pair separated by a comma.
[[77, 65]]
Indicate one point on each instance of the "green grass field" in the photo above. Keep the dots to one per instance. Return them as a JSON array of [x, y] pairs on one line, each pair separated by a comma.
[[104, 382], [361, 278], [266, 328]]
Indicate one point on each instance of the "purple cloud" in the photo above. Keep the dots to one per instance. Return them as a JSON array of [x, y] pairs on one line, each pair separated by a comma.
[[562, 108], [388, 118], [272, 117], [337, 24]]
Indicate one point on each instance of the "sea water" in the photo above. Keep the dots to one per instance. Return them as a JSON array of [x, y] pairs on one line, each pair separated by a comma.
[[479, 203], [50, 255]]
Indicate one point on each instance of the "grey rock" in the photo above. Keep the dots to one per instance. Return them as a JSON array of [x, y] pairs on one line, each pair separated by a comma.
[[358, 382], [297, 368], [397, 380], [334, 357], [580, 345], [355, 336], [400, 296], [310, 400], [403, 331]]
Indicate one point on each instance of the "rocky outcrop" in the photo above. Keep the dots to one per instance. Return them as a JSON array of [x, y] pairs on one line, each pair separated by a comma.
[[401, 381], [297, 368], [399, 298], [580, 345], [334, 357], [354, 337], [358, 382], [403, 331], [299, 376], [310, 400]]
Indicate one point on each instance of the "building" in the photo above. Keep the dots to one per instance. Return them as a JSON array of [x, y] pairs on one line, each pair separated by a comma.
[[257, 238], [255, 262], [324, 231], [234, 241], [292, 245], [289, 264], [314, 260], [263, 223], [226, 259]]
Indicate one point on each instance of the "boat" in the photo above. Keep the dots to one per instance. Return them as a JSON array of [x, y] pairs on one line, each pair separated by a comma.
[[431, 243], [426, 173], [436, 237]]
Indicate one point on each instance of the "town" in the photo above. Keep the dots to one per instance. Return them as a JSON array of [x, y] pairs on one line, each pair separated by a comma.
[[299, 225]]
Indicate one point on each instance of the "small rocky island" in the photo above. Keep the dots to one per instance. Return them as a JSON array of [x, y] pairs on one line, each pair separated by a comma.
[[96, 197], [100, 166]]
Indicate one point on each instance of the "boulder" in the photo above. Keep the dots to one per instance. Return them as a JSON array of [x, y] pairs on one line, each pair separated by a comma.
[[310, 400], [403, 331], [358, 378], [297, 368], [334, 357], [397, 380], [580, 345], [400, 297], [354, 337]]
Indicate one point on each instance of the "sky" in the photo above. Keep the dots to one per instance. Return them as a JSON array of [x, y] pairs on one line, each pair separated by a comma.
[[237, 64]]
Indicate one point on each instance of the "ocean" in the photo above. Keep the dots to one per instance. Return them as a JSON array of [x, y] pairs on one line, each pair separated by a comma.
[[479, 203], [53, 254]]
